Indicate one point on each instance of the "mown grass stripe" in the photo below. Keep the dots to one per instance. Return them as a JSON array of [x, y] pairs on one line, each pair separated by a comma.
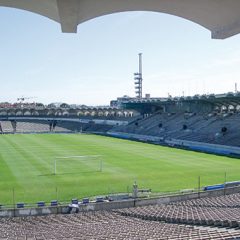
[[26, 163]]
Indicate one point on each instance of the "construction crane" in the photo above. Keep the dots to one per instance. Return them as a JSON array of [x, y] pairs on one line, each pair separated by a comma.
[[22, 99]]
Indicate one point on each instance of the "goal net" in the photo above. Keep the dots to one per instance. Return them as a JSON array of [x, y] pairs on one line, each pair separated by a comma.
[[77, 164]]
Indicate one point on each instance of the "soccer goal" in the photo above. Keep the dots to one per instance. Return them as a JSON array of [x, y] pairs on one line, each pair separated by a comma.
[[77, 164]]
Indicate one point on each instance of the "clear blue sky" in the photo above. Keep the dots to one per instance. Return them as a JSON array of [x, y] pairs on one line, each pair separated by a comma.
[[97, 64]]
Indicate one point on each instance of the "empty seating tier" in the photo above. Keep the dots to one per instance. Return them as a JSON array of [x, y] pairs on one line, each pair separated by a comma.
[[103, 225]]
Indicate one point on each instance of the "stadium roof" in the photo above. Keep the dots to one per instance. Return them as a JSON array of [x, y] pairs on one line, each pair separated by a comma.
[[225, 99], [221, 17]]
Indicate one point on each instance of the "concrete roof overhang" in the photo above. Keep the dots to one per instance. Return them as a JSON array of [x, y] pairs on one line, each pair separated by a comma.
[[221, 17]]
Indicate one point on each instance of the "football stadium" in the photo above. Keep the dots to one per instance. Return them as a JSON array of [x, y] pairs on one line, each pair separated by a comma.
[[139, 168]]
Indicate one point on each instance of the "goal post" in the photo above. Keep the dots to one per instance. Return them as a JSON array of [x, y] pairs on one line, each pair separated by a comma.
[[77, 164]]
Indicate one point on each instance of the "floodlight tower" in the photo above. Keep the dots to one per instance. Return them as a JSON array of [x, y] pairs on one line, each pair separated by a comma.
[[138, 79]]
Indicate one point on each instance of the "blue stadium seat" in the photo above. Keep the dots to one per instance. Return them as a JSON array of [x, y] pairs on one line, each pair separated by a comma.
[[54, 203], [20, 205], [74, 201], [85, 200], [41, 204]]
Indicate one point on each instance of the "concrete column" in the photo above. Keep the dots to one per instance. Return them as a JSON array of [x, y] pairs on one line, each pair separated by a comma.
[[68, 14]]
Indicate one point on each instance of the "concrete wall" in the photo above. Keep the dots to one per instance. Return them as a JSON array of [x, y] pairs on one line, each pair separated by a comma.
[[191, 145], [116, 204], [205, 147]]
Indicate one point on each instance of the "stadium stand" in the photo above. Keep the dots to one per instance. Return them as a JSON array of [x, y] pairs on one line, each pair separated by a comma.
[[220, 211], [6, 126], [199, 127], [37, 118], [226, 201], [212, 119], [31, 127], [104, 225], [45, 126]]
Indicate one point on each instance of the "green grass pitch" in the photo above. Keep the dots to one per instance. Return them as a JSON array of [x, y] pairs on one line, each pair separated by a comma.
[[26, 167]]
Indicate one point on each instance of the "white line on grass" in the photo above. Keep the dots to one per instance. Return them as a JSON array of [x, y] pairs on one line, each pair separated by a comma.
[[83, 156]]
